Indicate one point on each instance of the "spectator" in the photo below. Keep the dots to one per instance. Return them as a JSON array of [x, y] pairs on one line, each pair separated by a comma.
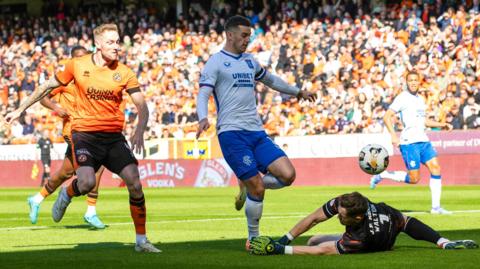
[[353, 57]]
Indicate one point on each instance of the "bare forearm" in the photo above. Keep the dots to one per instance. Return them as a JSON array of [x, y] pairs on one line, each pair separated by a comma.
[[303, 226], [48, 103], [139, 101], [307, 250], [308, 222], [142, 117], [431, 123], [327, 248], [39, 93], [387, 119]]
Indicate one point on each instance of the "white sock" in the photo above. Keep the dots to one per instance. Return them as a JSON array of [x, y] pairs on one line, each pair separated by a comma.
[[38, 198], [140, 238], [253, 211], [271, 182], [436, 189], [441, 242], [398, 176], [91, 210]]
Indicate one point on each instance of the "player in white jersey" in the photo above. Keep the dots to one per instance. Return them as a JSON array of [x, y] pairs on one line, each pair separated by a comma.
[[414, 143], [231, 75]]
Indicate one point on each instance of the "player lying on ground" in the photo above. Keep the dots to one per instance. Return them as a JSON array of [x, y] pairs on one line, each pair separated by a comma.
[[65, 95], [369, 227]]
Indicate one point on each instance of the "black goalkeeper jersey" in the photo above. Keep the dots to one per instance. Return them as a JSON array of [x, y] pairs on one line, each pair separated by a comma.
[[45, 145], [377, 232]]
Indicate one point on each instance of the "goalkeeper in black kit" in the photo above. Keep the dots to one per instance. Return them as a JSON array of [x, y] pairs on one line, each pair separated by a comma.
[[369, 227]]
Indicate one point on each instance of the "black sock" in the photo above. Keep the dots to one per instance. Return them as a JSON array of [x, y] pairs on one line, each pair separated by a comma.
[[93, 194], [420, 231], [76, 191], [49, 188], [44, 176]]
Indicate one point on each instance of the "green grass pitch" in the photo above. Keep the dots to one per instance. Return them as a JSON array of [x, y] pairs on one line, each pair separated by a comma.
[[199, 228]]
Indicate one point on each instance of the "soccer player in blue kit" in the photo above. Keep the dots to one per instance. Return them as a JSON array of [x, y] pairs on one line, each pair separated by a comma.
[[231, 75], [414, 144]]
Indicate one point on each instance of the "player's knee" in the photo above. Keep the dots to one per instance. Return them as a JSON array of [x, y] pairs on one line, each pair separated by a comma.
[[135, 188], [130, 173], [85, 185], [414, 180], [132, 180], [257, 191], [435, 170], [288, 177], [260, 193]]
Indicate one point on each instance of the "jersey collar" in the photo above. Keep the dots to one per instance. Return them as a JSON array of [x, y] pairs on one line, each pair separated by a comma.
[[110, 65], [234, 56]]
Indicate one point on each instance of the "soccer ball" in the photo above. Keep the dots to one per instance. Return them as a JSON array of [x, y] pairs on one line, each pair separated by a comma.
[[373, 159]]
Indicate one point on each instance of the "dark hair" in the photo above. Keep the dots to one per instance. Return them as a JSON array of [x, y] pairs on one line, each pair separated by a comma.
[[355, 203], [75, 49], [235, 21]]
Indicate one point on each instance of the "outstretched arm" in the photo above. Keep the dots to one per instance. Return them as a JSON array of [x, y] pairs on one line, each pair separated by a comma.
[[304, 225], [432, 123], [39, 93], [264, 245], [280, 85], [327, 248], [308, 222]]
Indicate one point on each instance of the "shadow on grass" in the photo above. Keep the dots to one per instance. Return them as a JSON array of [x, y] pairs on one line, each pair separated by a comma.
[[409, 211], [79, 226], [231, 254], [61, 227]]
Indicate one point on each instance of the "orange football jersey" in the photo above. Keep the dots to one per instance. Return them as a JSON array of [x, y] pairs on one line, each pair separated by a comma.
[[99, 93]]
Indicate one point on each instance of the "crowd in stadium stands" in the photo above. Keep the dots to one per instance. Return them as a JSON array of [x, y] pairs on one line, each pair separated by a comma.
[[353, 56]]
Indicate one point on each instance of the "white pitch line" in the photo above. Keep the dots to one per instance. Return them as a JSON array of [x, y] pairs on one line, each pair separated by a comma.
[[213, 214], [26, 228], [453, 211], [150, 222], [207, 220], [149, 215]]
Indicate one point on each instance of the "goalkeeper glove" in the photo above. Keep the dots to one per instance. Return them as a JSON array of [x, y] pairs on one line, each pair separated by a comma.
[[264, 245], [284, 240]]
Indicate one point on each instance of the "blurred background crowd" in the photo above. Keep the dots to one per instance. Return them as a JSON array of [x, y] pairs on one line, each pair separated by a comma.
[[353, 54]]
